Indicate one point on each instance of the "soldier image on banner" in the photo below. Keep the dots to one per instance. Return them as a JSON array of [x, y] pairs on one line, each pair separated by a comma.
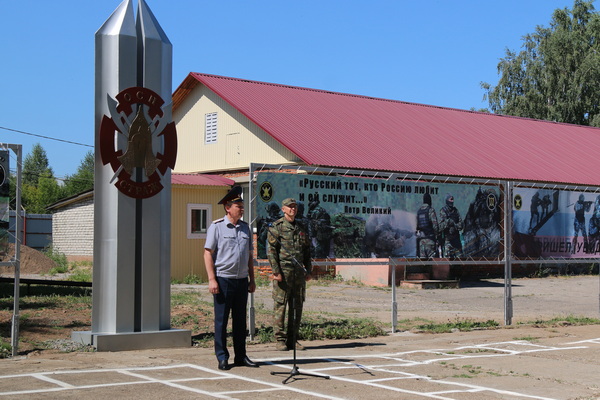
[[451, 224], [534, 207], [481, 233], [262, 228], [594, 227], [348, 233], [580, 207], [428, 230], [319, 229]]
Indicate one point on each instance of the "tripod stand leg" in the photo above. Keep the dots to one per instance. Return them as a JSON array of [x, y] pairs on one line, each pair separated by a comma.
[[295, 371]]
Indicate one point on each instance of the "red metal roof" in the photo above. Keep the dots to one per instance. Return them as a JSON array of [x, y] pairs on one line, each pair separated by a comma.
[[201, 180], [349, 131]]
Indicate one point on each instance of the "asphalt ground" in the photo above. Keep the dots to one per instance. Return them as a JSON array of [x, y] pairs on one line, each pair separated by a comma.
[[513, 362]]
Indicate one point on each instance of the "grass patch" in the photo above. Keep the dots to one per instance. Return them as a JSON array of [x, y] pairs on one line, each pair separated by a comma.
[[526, 338], [60, 259], [189, 298], [80, 275], [314, 328], [189, 280], [569, 320], [460, 325], [262, 281], [5, 348]]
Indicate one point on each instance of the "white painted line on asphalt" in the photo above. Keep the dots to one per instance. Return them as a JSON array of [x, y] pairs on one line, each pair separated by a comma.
[[46, 378], [595, 341], [388, 363]]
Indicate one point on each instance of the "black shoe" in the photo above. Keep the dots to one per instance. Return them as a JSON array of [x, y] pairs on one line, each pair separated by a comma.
[[246, 362], [223, 365]]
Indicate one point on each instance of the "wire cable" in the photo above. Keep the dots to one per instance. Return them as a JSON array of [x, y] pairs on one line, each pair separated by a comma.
[[44, 137]]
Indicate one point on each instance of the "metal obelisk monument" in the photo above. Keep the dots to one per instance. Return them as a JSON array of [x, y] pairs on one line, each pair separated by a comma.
[[136, 147]]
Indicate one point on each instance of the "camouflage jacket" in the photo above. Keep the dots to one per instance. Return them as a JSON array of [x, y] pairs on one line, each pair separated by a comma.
[[289, 245]]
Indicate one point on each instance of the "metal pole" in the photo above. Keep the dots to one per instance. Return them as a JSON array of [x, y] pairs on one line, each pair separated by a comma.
[[15, 319], [508, 309], [251, 309], [394, 303]]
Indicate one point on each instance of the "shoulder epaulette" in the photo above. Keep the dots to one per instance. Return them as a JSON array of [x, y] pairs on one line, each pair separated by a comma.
[[216, 221]]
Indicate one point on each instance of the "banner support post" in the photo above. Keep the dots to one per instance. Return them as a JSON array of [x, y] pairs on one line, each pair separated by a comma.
[[508, 309]]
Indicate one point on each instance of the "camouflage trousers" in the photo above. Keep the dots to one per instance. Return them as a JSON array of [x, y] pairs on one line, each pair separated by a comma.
[[282, 303], [427, 248], [579, 226], [452, 252]]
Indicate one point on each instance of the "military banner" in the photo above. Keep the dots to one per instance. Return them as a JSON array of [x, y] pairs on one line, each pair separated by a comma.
[[352, 217], [4, 201], [555, 223]]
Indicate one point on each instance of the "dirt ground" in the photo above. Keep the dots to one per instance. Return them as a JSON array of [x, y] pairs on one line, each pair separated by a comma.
[[44, 323], [520, 360], [32, 261]]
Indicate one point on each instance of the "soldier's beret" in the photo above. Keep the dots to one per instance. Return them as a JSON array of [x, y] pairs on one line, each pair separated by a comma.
[[288, 201], [233, 196]]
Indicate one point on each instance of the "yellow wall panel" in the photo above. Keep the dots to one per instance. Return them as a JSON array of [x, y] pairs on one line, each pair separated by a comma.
[[187, 254], [239, 141]]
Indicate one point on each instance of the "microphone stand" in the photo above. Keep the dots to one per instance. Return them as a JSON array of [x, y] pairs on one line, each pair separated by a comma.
[[295, 371]]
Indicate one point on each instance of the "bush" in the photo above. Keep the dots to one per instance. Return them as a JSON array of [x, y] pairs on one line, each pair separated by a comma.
[[60, 259]]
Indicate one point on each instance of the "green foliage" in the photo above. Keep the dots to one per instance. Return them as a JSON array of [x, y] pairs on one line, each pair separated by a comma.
[[5, 348], [569, 320], [80, 275], [83, 179], [313, 328], [556, 75], [461, 325], [60, 259], [264, 334], [262, 281], [35, 164], [188, 280], [39, 186]]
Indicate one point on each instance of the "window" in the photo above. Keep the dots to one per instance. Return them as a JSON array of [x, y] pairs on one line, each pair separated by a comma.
[[199, 217], [210, 128]]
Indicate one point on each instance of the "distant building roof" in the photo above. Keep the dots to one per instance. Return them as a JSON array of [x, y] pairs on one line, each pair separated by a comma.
[[349, 131], [176, 179], [200, 179]]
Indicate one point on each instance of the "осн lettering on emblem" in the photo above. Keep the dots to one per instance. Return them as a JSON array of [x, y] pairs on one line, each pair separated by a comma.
[[138, 114]]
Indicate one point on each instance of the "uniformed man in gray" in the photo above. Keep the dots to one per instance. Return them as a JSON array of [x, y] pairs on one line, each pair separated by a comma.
[[228, 261], [289, 256]]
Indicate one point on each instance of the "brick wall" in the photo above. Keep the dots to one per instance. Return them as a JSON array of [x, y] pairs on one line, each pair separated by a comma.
[[73, 229]]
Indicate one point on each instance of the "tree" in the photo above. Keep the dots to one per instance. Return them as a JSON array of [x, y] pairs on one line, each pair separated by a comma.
[[83, 179], [35, 164], [39, 187], [556, 76], [35, 199]]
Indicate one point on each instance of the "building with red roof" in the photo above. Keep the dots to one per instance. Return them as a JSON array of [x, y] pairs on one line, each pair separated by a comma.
[[224, 124]]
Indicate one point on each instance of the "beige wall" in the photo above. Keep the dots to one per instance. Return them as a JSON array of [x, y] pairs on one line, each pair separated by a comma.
[[186, 254], [239, 141]]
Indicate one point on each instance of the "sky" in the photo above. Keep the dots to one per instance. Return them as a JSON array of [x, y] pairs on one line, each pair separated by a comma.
[[434, 52]]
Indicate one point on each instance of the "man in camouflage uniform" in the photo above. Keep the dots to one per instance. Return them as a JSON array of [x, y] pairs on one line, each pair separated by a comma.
[[289, 256], [427, 229], [450, 225]]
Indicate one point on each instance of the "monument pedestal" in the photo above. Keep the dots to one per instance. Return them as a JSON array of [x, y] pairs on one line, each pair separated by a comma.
[[169, 338]]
